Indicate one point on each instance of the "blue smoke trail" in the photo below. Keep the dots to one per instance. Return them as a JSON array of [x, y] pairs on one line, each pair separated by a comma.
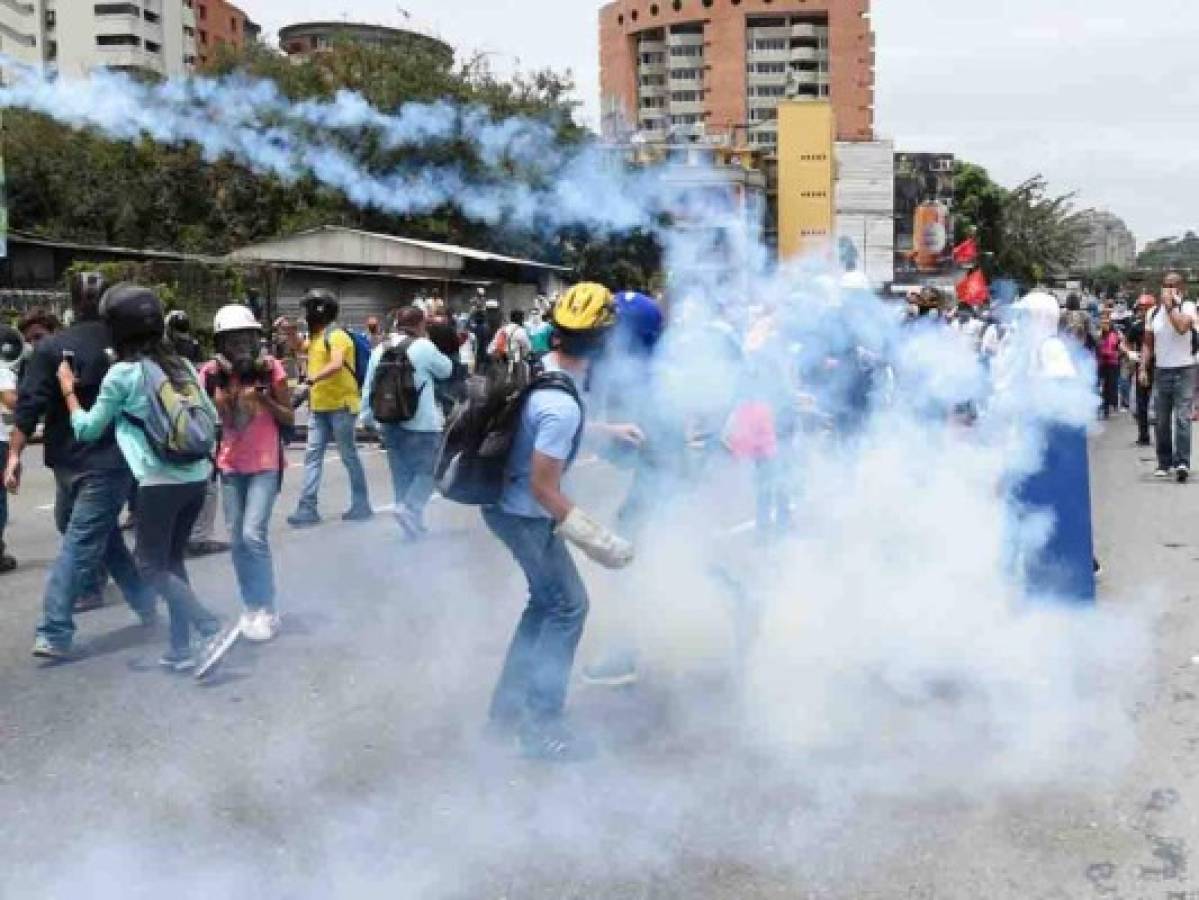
[[251, 122]]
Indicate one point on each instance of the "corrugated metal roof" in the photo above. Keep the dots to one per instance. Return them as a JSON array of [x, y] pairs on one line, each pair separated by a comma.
[[452, 249]]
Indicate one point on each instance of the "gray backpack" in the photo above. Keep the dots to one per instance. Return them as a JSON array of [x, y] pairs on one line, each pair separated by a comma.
[[180, 427]]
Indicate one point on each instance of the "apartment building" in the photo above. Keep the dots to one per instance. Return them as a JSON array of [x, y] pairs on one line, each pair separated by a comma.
[[682, 70], [22, 30], [220, 22], [155, 37]]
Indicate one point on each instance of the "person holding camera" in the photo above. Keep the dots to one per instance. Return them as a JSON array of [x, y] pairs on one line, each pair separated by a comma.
[[250, 391], [1170, 351]]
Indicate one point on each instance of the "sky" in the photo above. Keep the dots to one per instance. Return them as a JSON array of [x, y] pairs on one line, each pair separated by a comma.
[[1097, 95]]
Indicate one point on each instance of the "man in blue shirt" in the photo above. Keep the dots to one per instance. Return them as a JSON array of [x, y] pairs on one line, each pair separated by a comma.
[[535, 519], [411, 445]]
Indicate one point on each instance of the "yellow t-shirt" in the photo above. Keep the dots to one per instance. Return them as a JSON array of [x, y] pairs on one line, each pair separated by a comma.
[[341, 390]]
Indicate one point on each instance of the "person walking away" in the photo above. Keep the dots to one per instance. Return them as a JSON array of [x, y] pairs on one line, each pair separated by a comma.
[[1169, 348], [535, 519], [1107, 350], [1134, 343], [335, 403], [511, 343], [166, 430], [93, 481], [12, 348], [250, 391], [445, 337], [411, 431], [540, 332]]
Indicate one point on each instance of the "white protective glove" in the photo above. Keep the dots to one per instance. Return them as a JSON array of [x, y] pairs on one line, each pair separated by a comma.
[[596, 541]]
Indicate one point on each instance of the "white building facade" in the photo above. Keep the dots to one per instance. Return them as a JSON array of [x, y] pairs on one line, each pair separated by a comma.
[[73, 37], [1109, 243]]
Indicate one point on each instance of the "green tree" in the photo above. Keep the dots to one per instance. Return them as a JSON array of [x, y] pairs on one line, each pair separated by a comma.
[[1025, 233]]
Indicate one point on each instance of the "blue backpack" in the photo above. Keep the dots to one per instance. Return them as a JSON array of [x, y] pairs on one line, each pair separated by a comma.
[[362, 353]]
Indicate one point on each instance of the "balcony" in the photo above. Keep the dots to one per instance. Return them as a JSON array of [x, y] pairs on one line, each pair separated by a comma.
[[783, 55], [685, 84], [807, 54], [654, 46], [803, 76], [686, 40], [772, 32], [652, 90], [805, 30], [764, 78], [687, 107], [129, 58]]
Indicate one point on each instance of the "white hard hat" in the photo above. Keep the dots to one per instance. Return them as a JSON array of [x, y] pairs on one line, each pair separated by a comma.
[[234, 318]]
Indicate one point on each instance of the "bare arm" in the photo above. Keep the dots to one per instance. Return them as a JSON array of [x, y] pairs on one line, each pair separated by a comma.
[[337, 360], [545, 481]]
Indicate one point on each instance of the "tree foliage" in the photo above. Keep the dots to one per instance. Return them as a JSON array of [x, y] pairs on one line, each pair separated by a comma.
[[1171, 253], [1025, 232], [79, 186]]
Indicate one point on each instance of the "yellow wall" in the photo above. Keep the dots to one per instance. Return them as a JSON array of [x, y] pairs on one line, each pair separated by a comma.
[[805, 189]]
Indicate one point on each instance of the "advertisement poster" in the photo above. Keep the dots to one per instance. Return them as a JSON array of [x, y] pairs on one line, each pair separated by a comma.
[[923, 215]]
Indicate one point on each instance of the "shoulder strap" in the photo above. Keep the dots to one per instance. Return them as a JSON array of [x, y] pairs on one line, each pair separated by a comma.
[[556, 381]]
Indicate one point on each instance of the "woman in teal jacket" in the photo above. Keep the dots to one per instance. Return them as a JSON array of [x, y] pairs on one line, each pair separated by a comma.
[[169, 495]]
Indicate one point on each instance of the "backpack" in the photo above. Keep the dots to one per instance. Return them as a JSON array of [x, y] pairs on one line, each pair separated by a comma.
[[362, 353], [180, 427], [473, 457], [394, 394]]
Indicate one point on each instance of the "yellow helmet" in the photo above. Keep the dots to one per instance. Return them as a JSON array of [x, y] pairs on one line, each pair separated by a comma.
[[585, 307]]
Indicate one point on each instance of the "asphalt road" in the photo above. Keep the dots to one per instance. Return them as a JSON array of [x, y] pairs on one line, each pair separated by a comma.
[[345, 759]]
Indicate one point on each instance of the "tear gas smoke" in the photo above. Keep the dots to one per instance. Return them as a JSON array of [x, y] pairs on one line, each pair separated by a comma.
[[803, 689]]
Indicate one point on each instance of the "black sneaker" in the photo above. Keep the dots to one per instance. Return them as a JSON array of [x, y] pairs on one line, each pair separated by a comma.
[[7, 564], [303, 519], [206, 548], [358, 515], [554, 742], [1182, 473]]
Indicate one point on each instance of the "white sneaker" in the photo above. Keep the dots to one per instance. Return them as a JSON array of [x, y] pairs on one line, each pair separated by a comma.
[[262, 626]]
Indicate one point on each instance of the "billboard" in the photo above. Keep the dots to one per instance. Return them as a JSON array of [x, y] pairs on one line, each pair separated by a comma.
[[923, 215], [806, 178]]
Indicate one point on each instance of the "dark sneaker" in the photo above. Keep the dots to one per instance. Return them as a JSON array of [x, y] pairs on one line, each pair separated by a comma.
[[1182, 473], [177, 661], [554, 742], [303, 519], [7, 564], [88, 602], [44, 649], [147, 616], [214, 650], [1142, 442], [358, 515], [615, 672], [206, 548]]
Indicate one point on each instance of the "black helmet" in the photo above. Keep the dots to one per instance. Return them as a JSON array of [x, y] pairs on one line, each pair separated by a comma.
[[132, 312], [178, 322], [12, 345], [321, 306], [87, 288]]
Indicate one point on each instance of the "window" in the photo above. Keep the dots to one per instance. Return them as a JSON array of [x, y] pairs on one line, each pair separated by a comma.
[[685, 74], [686, 51], [203, 12], [204, 37], [153, 47], [770, 68], [689, 119], [653, 102], [116, 9], [233, 24], [151, 17], [688, 28], [118, 40], [770, 44], [768, 90], [653, 59], [763, 115], [685, 97], [653, 80]]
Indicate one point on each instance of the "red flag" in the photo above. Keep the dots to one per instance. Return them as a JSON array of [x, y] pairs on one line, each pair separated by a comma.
[[966, 253], [973, 289]]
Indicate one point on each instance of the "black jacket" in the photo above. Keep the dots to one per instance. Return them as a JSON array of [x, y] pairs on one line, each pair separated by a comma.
[[40, 398]]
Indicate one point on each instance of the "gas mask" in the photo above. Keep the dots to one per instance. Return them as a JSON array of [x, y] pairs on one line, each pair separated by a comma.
[[240, 354]]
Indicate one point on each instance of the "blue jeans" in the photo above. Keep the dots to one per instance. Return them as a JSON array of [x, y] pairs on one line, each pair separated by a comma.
[[411, 456], [537, 669], [90, 505], [249, 502], [1174, 390], [323, 428]]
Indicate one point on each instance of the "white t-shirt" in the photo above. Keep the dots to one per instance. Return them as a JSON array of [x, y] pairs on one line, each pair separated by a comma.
[[1172, 350], [8, 382]]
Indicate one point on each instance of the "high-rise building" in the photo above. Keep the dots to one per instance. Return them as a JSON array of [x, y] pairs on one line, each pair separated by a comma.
[[1108, 243], [679, 70]]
